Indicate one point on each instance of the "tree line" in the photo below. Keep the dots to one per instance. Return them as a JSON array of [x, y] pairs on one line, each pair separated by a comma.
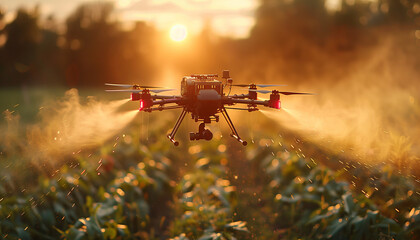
[[92, 47]]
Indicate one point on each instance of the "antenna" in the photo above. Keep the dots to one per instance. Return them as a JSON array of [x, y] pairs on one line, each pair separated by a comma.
[[229, 81], [226, 74]]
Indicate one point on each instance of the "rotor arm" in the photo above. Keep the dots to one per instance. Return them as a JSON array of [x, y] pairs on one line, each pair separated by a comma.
[[166, 101], [165, 97], [161, 108], [250, 102], [239, 96]]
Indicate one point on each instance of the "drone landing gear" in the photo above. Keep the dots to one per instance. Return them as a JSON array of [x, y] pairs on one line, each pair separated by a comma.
[[234, 133], [201, 134], [171, 136]]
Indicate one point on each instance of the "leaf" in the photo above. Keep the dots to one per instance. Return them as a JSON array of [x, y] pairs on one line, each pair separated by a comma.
[[110, 233], [349, 204], [219, 193], [92, 227], [361, 227], [182, 236], [59, 209], [104, 211], [23, 234], [295, 199], [47, 216], [75, 234], [335, 230], [211, 236], [317, 218], [202, 163]]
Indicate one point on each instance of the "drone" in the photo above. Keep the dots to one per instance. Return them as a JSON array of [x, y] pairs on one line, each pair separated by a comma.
[[203, 96]]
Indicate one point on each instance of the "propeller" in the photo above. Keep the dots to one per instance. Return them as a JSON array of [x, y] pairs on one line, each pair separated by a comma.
[[260, 91], [284, 93], [294, 93], [245, 109], [124, 90], [259, 85], [161, 90], [138, 90], [129, 85]]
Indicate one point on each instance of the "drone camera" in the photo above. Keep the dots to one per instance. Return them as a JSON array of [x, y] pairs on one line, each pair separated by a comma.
[[205, 134], [202, 133]]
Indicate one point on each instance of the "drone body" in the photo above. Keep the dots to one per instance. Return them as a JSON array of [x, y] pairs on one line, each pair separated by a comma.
[[203, 96]]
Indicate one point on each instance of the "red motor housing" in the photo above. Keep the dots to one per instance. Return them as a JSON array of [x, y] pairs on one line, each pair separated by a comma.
[[275, 100], [135, 96], [145, 100]]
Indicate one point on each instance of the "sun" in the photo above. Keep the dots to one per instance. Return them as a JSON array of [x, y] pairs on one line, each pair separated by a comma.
[[178, 33]]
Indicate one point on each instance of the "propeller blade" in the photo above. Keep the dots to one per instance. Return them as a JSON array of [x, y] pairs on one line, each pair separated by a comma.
[[259, 85], [130, 85], [294, 93], [161, 90], [244, 109], [119, 85], [124, 90], [270, 85], [143, 86], [260, 91]]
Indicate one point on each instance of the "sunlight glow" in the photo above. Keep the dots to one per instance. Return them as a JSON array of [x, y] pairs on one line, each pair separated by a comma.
[[178, 33]]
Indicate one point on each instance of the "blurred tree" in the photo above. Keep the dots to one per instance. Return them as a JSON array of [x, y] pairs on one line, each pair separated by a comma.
[[99, 51], [401, 11], [89, 38], [288, 36], [282, 21], [2, 42], [20, 50], [139, 49], [50, 64]]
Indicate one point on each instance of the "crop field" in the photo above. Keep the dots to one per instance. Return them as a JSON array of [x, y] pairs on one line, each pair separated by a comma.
[[138, 185]]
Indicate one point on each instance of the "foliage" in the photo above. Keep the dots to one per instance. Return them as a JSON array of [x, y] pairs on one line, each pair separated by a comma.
[[126, 190], [85, 201], [206, 204], [311, 203]]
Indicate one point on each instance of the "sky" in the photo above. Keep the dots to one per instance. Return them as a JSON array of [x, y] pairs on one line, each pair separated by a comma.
[[233, 18]]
